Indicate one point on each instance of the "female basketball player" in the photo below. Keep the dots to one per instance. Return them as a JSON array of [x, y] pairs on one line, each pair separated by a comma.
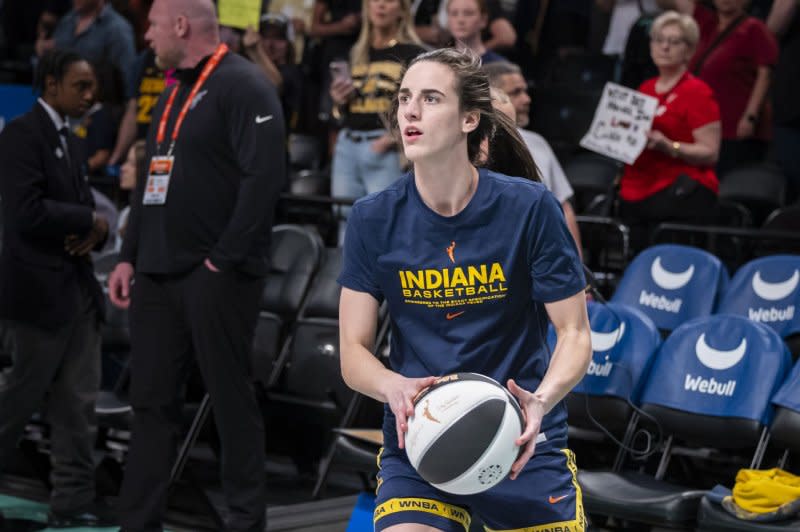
[[472, 263]]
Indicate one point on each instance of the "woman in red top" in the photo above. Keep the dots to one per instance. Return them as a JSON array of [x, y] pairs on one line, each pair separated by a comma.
[[673, 179], [734, 56]]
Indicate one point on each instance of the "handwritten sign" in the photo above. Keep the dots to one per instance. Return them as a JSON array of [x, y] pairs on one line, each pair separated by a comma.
[[621, 122], [239, 13]]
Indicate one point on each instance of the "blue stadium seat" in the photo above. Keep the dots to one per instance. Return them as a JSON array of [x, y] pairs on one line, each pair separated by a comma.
[[767, 290], [710, 386], [784, 434], [672, 284], [600, 409]]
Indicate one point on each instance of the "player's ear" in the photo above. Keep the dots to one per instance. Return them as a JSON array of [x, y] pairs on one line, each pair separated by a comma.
[[470, 120]]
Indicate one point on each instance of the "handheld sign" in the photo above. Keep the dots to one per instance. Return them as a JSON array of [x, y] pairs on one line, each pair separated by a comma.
[[621, 122], [239, 13]]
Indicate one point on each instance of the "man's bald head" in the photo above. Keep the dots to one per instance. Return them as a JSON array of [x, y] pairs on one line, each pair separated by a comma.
[[202, 14], [182, 32]]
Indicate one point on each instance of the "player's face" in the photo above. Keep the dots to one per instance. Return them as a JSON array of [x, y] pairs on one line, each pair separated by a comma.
[[669, 48], [515, 86], [74, 94], [429, 113], [464, 19], [162, 37]]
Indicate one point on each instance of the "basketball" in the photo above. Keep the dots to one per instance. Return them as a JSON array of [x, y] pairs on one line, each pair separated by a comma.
[[461, 437]]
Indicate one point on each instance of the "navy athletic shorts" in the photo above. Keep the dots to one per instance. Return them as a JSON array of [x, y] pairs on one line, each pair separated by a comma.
[[545, 497]]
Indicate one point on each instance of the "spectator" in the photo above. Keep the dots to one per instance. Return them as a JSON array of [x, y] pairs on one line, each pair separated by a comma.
[[466, 19], [366, 158], [507, 77], [427, 24], [271, 48], [48, 292], [784, 21], [499, 34], [734, 56], [336, 24], [565, 30], [149, 83], [132, 171], [96, 31], [673, 179], [108, 210], [96, 131], [198, 239], [624, 14], [299, 13]]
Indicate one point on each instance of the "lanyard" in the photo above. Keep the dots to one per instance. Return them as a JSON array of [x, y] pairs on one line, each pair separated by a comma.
[[212, 63]]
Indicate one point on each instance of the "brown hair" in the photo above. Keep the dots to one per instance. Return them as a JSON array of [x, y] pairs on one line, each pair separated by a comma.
[[508, 154]]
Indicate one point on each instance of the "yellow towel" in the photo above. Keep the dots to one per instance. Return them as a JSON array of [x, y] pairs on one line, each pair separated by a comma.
[[765, 491]]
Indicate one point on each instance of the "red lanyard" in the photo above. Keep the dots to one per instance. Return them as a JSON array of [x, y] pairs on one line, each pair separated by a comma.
[[221, 50]]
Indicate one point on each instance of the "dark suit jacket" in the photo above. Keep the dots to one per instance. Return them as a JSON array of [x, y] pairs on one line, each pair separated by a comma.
[[44, 199]]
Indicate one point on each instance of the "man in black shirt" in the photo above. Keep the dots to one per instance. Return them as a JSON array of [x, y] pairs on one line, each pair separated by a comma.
[[198, 240]]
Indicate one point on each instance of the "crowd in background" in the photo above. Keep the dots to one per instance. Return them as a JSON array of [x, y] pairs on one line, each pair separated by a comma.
[[335, 64]]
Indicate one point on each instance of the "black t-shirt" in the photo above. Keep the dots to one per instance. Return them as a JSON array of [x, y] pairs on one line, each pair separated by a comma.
[[149, 83], [338, 46], [376, 84]]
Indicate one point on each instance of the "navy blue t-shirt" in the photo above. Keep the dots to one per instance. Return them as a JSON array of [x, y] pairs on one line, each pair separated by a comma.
[[466, 292]]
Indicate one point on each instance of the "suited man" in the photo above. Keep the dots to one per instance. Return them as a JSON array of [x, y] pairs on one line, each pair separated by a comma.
[[49, 298]]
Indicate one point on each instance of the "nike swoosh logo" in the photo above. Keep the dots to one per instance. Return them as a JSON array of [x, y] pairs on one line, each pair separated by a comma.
[[455, 315], [553, 500], [262, 119]]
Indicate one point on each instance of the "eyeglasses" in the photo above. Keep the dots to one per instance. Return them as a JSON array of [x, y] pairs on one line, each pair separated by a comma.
[[671, 41]]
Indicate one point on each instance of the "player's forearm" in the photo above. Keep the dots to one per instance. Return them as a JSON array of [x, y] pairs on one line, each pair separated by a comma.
[[567, 366], [363, 372]]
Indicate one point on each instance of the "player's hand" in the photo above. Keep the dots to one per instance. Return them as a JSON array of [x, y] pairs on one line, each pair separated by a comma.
[[400, 393], [534, 411], [119, 285]]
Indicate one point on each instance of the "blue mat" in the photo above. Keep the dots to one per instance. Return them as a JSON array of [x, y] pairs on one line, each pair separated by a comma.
[[361, 518], [20, 510]]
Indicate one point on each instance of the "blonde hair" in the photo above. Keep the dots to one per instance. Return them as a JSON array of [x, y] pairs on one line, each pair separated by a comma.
[[359, 53], [687, 25]]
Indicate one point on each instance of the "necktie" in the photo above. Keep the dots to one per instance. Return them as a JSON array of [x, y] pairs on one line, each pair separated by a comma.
[[63, 134]]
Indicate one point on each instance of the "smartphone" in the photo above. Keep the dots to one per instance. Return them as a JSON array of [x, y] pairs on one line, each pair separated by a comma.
[[340, 70]]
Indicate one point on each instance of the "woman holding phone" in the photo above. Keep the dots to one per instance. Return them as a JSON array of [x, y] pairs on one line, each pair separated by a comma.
[[366, 159]]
